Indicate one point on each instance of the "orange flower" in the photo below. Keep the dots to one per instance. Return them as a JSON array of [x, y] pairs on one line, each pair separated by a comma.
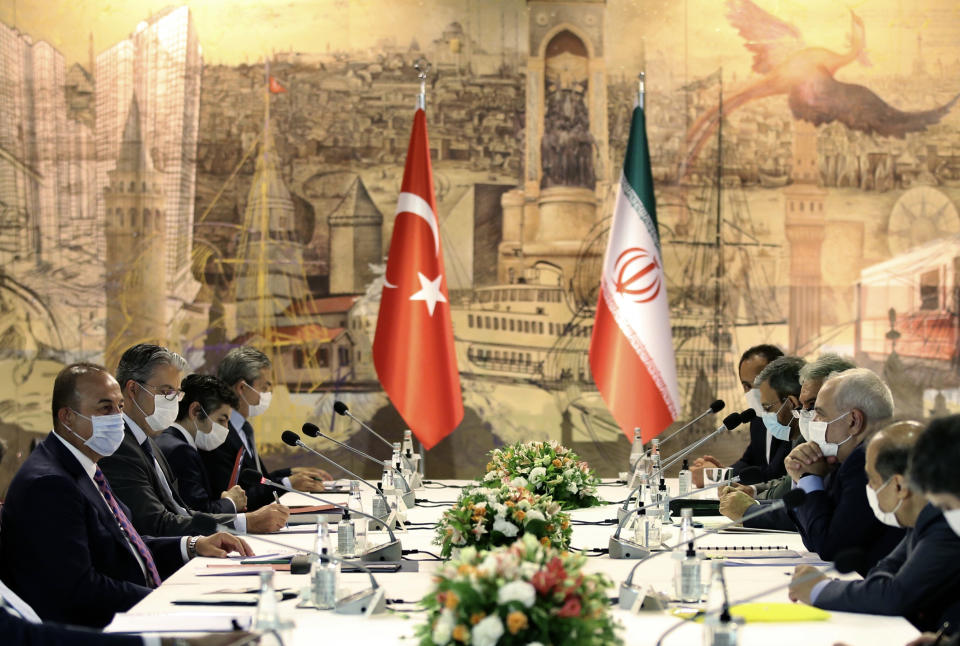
[[545, 540], [465, 569], [510, 503], [550, 527], [520, 515], [565, 524], [461, 633], [452, 600], [489, 466], [477, 617], [557, 463], [516, 621]]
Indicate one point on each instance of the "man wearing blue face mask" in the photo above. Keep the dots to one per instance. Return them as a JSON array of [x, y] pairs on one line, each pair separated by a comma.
[[139, 472], [835, 515], [68, 548], [920, 578]]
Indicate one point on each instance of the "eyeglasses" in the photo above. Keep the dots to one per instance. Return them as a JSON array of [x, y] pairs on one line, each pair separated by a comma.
[[768, 408], [170, 394]]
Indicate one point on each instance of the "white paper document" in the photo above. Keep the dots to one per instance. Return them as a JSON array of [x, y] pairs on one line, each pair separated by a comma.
[[196, 622]]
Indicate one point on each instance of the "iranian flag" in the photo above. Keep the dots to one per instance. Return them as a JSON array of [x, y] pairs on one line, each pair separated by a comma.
[[413, 348], [631, 352]]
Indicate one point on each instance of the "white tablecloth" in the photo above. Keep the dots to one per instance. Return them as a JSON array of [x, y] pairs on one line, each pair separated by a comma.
[[314, 626]]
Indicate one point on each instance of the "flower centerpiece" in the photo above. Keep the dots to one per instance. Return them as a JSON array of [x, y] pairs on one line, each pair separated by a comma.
[[486, 517], [545, 468], [526, 593]]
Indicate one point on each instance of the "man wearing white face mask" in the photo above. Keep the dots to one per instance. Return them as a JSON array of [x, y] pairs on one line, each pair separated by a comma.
[[920, 578], [139, 472], [201, 425], [69, 550], [247, 372], [835, 514]]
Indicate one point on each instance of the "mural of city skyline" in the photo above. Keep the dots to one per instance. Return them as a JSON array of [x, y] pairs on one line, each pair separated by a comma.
[[149, 194]]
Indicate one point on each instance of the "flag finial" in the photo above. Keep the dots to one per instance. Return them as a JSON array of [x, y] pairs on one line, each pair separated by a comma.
[[422, 66], [641, 88]]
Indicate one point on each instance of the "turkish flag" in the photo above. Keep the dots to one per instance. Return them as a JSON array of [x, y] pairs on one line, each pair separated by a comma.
[[275, 87], [413, 347]]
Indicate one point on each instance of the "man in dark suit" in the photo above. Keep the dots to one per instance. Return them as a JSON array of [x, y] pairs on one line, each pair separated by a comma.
[[201, 423], [758, 451], [835, 514], [139, 473], [920, 578], [68, 548], [247, 372]]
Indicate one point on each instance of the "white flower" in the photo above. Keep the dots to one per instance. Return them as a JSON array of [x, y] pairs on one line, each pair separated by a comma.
[[528, 569], [534, 514], [517, 591], [572, 487], [505, 527], [537, 474], [534, 644], [491, 475], [519, 483], [443, 629], [487, 632], [488, 567], [499, 508]]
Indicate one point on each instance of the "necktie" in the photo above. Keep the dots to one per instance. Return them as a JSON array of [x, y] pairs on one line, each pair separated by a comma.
[[248, 432], [153, 577], [164, 485]]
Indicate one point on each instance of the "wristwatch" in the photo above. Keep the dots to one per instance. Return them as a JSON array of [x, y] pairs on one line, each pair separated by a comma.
[[192, 546]]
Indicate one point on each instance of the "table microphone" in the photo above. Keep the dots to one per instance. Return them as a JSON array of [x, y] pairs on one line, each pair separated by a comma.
[[750, 475], [292, 439], [408, 497], [341, 409], [389, 551], [715, 407], [629, 593], [849, 560], [369, 602], [730, 422]]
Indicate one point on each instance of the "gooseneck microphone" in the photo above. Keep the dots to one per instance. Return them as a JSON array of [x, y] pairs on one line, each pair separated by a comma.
[[341, 409], [715, 407], [749, 475], [389, 551], [847, 561], [292, 439], [730, 422], [408, 498], [370, 602], [629, 593]]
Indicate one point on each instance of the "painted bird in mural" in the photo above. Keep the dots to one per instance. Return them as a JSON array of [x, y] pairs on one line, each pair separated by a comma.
[[805, 74]]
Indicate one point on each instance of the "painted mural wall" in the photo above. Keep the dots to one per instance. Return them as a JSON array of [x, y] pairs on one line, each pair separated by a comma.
[[221, 173]]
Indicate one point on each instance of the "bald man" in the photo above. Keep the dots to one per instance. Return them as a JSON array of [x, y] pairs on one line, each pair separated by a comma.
[[920, 578]]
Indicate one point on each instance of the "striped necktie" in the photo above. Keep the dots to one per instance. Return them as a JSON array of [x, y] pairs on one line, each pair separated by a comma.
[[153, 576]]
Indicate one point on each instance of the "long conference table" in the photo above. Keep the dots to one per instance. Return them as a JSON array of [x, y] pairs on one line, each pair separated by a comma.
[[398, 624]]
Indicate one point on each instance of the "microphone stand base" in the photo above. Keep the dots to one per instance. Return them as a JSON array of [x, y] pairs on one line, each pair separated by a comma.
[[366, 602], [628, 596], [624, 549], [391, 551], [381, 525], [622, 513]]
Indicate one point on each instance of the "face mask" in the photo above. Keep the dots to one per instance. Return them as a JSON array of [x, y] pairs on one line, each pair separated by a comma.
[[107, 433], [818, 434], [885, 517], [261, 408], [164, 411], [754, 400], [952, 516], [773, 424], [804, 417], [208, 441]]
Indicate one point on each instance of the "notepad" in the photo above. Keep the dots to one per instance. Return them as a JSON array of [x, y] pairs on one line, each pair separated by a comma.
[[167, 622]]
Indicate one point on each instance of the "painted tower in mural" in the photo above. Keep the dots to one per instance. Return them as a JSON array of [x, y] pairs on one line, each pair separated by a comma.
[[805, 225], [565, 158], [356, 227], [136, 245], [270, 274]]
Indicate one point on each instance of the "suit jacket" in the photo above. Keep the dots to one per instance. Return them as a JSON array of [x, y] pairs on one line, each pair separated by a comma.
[[219, 463], [63, 551], [839, 517], [193, 485], [134, 480], [755, 455], [919, 579], [15, 630]]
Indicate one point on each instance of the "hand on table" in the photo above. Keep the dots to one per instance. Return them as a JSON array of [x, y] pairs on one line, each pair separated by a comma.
[[807, 458], [750, 490], [236, 638], [925, 639], [734, 504], [306, 482], [319, 474], [696, 469], [269, 518], [237, 495], [219, 544], [800, 591]]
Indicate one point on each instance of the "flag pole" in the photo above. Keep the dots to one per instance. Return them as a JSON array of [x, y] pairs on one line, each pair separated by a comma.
[[422, 66], [641, 88]]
